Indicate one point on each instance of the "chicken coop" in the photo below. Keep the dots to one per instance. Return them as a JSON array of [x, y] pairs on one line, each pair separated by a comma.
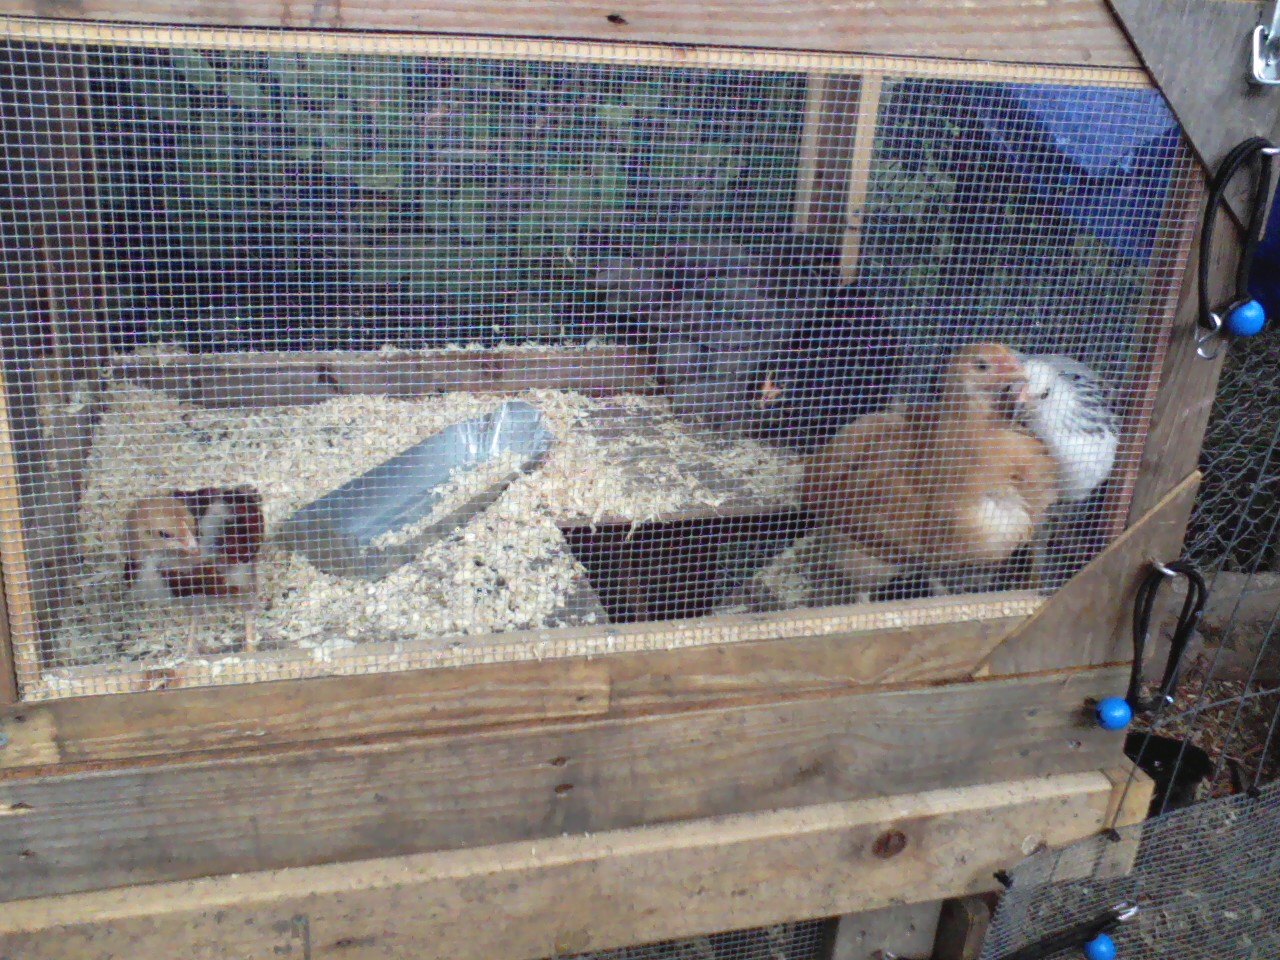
[[642, 472]]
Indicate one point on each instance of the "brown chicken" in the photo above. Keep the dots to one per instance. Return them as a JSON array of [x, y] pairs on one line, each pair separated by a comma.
[[194, 547], [947, 490]]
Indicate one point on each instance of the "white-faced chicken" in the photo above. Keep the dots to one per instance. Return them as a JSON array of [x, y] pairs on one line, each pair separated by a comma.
[[1067, 406], [190, 549], [946, 489]]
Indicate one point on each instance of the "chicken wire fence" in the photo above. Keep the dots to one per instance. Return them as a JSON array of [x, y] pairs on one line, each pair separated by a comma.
[[1206, 880], [332, 354], [803, 940]]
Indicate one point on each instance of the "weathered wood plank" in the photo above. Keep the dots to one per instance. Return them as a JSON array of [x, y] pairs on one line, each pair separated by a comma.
[[1071, 32], [830, 117], [169, 822], [1187, 382], [899, 931], [855, 201], [284, 379], [1165, 290], [1198, 53], [347, 709], [569, 894], [1088, 620], [961, 929]]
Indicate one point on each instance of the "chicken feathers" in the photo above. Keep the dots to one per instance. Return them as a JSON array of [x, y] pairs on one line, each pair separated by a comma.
[[943, 487]]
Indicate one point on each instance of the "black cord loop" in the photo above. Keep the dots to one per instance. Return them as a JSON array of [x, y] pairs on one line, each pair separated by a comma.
[[1241, 154], [1077, 935], [1188, 620]]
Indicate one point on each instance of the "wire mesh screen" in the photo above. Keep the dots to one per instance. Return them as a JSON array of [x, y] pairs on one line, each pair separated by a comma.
[[1206, 880], [805, 940], [335, 354]]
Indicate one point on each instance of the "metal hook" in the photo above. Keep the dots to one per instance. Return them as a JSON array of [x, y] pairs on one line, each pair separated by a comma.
[[1164, 571], [1209, 336], [1125, 910]]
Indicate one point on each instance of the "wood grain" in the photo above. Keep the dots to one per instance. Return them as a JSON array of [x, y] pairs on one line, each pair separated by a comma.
[[1069, 32], [1088, 620], [20, 603], [1198, 52], [175, 821], [569, 894], [855, 201], [830, 117], [332, 710], [286, 379], [905, 930], [1187, 382]]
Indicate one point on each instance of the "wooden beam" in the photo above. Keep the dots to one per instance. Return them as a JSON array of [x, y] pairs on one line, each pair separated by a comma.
[[962, 928], [860, 175], [156, 823], [830, 116], [563, 895], [332, 710], [1188, 383], [273, 379], [1088, 620], [23, 640], [952, 616], [1075, 32], [1165, 290], [904, 930]]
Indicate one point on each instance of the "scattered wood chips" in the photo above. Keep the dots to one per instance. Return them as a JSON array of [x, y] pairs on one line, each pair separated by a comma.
[[623, 459]]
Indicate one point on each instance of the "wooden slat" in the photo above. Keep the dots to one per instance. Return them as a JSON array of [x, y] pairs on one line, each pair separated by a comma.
[[1071, 32], [174, 821], [8, 673], [1088, 620], [20, 602], [1187, 382], [899, 931], [348, 709], [549, 643], [1165, 290], [860, 174], [1198, 52], [830, 115], [570, 894], [284, 379]]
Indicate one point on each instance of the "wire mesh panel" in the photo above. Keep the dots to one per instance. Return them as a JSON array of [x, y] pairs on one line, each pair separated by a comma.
[[806, 940], [340, 353], [1206, 881]]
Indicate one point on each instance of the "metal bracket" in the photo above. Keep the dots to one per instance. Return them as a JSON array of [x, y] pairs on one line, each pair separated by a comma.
[[1266, 51]]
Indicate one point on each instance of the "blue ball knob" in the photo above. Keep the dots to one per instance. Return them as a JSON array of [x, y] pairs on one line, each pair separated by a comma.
[[1247, 320], [1101, 947], [1114, 713]]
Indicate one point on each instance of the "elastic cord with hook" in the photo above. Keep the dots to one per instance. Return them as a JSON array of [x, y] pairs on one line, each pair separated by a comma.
[[1211, 321], [1188, 620], [1077, 935]]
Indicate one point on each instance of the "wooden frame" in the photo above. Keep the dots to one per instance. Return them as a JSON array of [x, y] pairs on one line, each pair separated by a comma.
[[653, 777]]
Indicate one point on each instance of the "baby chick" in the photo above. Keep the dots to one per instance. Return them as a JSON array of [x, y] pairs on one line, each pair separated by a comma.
[[1067, 406], [193, 548], [946, 488]]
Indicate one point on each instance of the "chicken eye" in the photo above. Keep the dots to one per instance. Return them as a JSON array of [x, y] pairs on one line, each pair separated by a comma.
[[1044, 394], [165, 534], [983, 366]]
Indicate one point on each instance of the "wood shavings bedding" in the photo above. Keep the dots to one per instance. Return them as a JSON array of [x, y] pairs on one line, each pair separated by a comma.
[[622, 458]]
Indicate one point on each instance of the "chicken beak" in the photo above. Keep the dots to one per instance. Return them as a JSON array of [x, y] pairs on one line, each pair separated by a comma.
[[1019, 394]]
